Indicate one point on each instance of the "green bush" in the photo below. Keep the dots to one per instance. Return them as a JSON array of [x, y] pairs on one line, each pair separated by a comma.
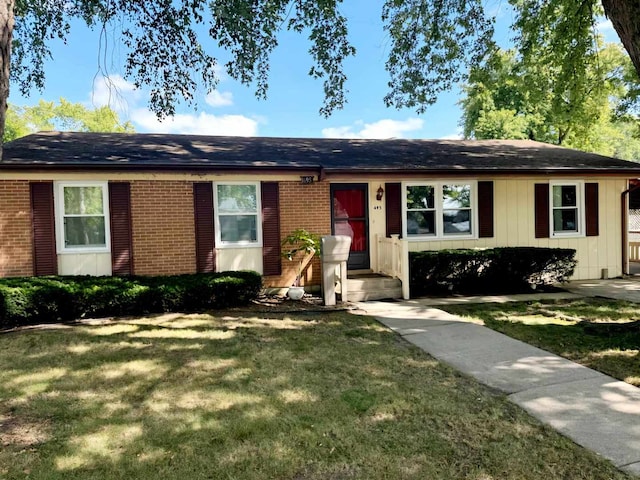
[[495, 270], [32, 300]]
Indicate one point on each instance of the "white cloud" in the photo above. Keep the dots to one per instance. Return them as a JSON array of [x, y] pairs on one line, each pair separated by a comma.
[[124, 98], [220, 71], [115, 92], [219, 99], [201, 124], [454, 136], [338, 132], [385, 128]]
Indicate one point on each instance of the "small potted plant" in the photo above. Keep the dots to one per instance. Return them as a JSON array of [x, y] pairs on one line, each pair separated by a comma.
[[299, 245]]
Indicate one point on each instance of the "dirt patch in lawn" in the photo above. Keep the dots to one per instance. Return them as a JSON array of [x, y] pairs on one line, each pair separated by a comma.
[[283, 304], [21, 433]]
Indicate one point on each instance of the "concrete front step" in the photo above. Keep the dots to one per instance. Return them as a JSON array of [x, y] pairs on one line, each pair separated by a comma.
[[361, 296], [364, 287]]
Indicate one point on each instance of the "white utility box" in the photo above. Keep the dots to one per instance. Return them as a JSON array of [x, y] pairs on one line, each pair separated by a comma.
[[335, 253]]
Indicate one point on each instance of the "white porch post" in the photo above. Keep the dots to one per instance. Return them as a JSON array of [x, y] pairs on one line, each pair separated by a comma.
[[404, 258]]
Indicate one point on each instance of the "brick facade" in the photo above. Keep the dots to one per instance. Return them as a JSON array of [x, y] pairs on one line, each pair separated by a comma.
[[16, 252], [308, 207], [163, 227]]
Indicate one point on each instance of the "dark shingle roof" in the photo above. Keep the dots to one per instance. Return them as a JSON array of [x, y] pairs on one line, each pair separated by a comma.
[[70, 150]]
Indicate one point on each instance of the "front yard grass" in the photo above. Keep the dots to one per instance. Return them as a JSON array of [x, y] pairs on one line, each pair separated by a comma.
[[298, 396], [598, 333]]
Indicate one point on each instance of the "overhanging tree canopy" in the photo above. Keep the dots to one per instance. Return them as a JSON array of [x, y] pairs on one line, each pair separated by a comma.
[[65, 115], [432, 42], [515, 97]]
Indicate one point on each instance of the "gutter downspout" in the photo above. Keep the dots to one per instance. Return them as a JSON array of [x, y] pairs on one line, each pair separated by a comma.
[[625, 227]]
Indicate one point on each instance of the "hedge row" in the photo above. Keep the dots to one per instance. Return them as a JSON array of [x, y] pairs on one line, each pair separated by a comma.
[[496, 270], [32, 300]]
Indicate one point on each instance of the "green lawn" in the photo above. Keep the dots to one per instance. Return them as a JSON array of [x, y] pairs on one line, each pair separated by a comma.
[[601, 334], [304, 396]]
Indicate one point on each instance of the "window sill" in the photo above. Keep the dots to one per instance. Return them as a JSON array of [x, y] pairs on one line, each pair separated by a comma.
[[76, 251], [567, 235], [440, 239], [237, 245]]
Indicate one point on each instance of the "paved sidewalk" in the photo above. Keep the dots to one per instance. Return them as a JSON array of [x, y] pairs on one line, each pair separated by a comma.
[[594, 410], [616, 288], [526, 297]]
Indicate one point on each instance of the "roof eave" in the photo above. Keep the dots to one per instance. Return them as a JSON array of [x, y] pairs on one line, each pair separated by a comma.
[[157, 167], [203, 168], [487, 171]]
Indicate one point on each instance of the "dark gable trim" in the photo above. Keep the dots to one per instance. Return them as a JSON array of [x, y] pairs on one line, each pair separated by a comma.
[[45, 259], [204, 228], [591, 204], [485, 209], [121, 229], [271, 259], [393, 208], [542, 210]]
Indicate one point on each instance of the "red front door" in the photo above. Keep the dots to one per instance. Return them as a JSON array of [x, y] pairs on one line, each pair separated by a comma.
[[349, 216]]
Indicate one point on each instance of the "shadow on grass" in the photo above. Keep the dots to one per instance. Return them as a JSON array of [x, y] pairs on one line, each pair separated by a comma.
[[200, 396]]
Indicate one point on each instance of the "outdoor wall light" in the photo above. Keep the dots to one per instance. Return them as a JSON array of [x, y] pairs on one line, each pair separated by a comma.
[[379, 193]]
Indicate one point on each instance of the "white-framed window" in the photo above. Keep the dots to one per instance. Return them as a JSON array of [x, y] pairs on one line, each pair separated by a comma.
[[567, 208], [440, 210], [237, 210], [82, 217], [420, 205]]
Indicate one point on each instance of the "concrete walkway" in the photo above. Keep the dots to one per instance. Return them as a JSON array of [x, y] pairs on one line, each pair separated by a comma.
[[462, 300], [594, 410], [616, 288]]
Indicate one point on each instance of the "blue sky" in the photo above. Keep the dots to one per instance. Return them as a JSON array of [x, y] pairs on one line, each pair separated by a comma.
[[293, 98]]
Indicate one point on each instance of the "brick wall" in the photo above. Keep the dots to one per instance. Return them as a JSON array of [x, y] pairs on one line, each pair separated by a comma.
[[16, 252], [308, 207], [163, 227]]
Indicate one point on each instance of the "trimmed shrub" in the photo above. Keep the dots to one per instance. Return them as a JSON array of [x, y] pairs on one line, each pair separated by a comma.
[[32, 300], [495, 270]]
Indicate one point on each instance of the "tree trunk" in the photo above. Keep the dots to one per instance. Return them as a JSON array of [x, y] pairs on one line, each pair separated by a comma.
[[625, 17], [7, 21]]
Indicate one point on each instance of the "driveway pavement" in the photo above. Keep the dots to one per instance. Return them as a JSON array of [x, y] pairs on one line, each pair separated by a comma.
[[594, 410]]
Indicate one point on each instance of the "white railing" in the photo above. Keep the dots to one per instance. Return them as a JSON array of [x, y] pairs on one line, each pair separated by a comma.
[[393, 260], [634, 251]]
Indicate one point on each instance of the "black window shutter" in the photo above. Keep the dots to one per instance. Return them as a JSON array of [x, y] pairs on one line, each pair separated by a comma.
[[485, 209], [45, 259], [121, 231], [393, 208], [205, 234], [542, 210], [271, 259], [591, 209]]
